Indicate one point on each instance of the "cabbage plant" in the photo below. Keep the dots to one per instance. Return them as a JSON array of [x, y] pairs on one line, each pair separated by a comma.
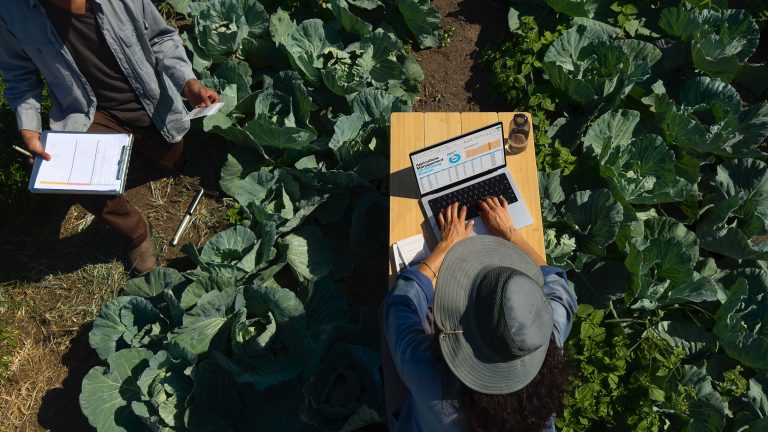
[[593, 67], [639, 167], [345, 389], [721, 42], [661, 224], [221, 26], [258, 334], [710, 119]]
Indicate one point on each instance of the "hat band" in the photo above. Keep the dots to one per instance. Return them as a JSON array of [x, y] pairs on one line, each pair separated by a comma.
[[445, 333], [490, 319]]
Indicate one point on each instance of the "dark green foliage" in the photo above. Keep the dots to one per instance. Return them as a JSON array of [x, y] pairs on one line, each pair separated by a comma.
[[15, 199], [662, 221], [258, 336], [516, 64], [616, 378]]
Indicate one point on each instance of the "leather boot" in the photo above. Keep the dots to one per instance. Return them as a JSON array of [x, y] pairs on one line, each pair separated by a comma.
[[141, 259]]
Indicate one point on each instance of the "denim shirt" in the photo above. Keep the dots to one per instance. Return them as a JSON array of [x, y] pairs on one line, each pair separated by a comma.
[[431, 406], [149, 52]]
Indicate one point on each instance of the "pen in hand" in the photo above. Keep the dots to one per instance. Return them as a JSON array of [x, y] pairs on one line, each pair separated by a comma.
[[24, 152], [31, 140]]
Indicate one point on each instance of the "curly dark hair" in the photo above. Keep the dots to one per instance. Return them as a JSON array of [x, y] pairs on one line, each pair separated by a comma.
[[526, 410]]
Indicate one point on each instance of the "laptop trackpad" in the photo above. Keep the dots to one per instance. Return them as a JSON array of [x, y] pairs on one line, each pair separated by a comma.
[[520, 219]]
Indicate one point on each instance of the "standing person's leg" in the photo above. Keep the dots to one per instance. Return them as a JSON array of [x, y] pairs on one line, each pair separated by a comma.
[[120, 214]]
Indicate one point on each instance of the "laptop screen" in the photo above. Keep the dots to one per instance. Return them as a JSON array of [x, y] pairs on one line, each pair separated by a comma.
[[454, 160]]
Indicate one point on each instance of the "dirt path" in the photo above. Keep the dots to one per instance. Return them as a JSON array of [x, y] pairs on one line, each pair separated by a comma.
[[56, 275], [454, 79]]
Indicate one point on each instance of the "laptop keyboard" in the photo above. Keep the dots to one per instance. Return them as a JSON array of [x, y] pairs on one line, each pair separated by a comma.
[[468, 196]]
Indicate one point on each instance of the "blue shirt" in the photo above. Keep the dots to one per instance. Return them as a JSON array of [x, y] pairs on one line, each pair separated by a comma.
[[149, 52], [431, 406]]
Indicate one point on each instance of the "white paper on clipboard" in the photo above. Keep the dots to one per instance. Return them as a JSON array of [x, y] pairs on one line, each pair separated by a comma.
[[82, 163]]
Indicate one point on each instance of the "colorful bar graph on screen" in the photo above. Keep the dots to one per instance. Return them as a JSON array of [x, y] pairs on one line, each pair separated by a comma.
[[483, 148]]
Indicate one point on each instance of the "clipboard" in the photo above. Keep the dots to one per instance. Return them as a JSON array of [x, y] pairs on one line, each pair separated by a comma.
[[82, 163]]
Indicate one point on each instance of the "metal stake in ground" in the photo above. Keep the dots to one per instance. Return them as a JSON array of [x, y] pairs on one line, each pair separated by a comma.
[[187, 217]]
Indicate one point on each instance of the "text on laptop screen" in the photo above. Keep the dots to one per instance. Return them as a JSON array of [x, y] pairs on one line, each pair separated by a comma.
[[456, 160]]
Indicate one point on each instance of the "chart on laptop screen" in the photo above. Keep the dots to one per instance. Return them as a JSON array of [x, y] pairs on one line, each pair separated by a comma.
[[459, 159]]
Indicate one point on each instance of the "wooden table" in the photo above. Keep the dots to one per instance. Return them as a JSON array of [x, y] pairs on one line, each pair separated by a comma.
[[412, 131]]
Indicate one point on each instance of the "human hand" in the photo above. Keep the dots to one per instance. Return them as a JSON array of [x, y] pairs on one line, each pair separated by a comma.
[[32, 142], [452, 225], [453, 229], [199, 95], [495, 214]]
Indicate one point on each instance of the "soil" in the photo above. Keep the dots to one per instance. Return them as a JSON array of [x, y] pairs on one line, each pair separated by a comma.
[[66, 237], [454, 78], [55, 276]]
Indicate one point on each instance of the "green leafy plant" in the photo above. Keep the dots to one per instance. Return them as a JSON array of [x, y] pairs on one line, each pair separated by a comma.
[[514, 64], [721, 42], [447, 36], [258, 336], [710, 119], [157, 337], [233, 215], [594, 68], [602, 358], [640, 168], [8, 342], [661, 221], [627, 18], [576, 8]]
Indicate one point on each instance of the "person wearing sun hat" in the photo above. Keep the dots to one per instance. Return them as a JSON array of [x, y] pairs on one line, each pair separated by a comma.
[[482, 350]]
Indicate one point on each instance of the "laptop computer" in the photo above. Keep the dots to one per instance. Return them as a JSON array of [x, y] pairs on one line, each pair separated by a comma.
[[464, 169]]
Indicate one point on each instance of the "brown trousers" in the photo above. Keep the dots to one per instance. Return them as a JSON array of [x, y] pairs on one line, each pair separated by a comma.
[[150, 145]]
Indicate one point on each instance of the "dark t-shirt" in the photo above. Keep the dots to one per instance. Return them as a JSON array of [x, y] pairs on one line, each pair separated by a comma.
[[85, 41]]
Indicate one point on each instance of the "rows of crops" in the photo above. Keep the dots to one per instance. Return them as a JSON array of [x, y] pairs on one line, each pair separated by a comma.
[[258, 336], [655, 198]]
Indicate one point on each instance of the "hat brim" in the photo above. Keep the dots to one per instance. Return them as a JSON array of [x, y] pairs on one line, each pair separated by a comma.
[[460, 272]]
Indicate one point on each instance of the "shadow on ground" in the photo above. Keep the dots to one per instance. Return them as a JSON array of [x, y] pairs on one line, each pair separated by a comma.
[[60, 407], [34, 250], [492, 21], [48, 243]]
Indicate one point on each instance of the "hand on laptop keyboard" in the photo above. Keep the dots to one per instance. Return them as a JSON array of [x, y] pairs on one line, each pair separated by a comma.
[[468, 196], [495, 215], [452, 224], [493, 210]]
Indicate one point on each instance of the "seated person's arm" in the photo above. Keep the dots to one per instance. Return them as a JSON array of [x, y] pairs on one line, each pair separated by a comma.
[[172, 58], [23, 89], [562, 299], [405, 319], [412, 347], [495, 214], [405, 309]]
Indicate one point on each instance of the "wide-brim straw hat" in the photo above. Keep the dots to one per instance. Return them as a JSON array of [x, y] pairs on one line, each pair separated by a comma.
[[493, 318]]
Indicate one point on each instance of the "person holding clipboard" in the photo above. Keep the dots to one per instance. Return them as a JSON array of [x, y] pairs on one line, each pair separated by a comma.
[[110, 66]]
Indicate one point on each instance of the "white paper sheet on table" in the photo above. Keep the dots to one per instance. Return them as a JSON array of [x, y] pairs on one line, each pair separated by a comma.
[[410, 251]]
